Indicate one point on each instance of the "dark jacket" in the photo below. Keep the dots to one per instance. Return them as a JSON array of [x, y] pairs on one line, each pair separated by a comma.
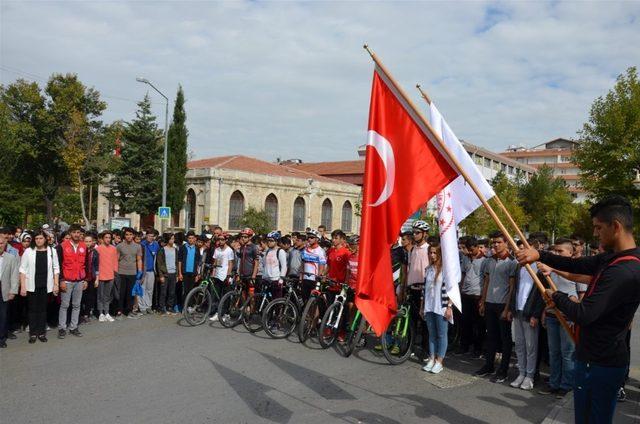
[[534, 305], [605, 313], [161, 261], [93, 259], [182, 257]]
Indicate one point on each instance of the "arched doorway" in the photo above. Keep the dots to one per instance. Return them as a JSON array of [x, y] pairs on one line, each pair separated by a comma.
[[347, 214], [190, 210], [327, 214], [236, 209], [299, 214], [271, 208]]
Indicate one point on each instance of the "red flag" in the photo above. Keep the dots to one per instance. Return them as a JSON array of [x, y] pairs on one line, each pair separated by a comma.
[[403, 170]]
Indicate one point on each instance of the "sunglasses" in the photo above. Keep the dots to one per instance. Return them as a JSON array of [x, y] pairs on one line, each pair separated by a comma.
[[270, 240]]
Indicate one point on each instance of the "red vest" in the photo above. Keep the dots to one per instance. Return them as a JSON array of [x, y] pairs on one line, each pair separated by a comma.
[[73, 261]]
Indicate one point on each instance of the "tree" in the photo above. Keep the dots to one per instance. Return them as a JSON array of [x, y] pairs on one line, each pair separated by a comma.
[[177, 155], [548, 203], [76, 109], [609, 152], [257, 220], [136, 182]]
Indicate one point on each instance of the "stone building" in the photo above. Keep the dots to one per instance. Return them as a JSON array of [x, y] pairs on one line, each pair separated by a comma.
[[220, 189]]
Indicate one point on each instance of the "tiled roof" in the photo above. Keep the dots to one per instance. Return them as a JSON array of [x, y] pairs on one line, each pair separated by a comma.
[[333, 168], [248, 164]]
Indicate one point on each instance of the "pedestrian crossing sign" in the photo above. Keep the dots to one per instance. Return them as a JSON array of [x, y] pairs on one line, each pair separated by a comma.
[[164, 212]]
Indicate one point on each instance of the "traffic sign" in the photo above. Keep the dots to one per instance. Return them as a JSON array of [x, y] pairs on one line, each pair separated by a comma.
[[164, 212]]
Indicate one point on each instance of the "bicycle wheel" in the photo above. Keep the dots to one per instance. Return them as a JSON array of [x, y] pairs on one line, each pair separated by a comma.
[[330, 324], [354, 335], [279, 318], [308, 325], [397, 340], [197, 306], [251, 314], [230, 309]]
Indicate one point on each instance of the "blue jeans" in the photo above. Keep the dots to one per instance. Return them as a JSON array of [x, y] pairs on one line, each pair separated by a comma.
[[595, 392], [438, 328], [561, 349]]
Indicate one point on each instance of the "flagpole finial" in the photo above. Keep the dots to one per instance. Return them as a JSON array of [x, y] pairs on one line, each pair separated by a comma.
[[423, 94], [366, 47]]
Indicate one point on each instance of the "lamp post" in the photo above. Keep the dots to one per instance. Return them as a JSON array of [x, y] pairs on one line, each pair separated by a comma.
[[166, 134]]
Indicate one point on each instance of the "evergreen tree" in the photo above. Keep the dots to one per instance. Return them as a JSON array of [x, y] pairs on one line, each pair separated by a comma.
[[136, 185], [177, 155]]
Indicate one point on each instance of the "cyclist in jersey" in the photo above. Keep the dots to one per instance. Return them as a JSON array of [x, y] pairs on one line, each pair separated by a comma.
[[275, 264], [248, 260], [337, 261], [314, 262]]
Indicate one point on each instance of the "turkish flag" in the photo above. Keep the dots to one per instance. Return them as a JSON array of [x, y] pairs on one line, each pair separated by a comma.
[[403, 170]]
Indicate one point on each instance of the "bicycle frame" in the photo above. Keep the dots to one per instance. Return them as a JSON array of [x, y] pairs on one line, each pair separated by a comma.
[[340, 298]]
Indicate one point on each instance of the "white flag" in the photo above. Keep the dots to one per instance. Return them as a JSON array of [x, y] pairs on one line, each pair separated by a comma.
[[455, 203]]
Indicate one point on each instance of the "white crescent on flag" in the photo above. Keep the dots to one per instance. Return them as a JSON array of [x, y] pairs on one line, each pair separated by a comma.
[[384, 149]]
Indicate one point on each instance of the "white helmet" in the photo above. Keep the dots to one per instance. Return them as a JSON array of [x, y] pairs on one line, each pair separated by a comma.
[[421, 225]]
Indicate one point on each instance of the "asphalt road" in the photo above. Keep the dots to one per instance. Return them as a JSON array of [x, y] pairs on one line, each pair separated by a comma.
[[154, 370]]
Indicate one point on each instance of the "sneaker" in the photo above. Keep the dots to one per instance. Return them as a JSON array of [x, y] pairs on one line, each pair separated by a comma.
[[119, 317], [437, 368], [500, 377], [527, 384], [395, 350], [547, 390], [62, 334], [517, 382], [149, 312], [75, 332], [561, 392], [102, 318], [214, 317], [429, 366], [133, 315], [109, 318], [378, 348], [622, 395], [484, 371]]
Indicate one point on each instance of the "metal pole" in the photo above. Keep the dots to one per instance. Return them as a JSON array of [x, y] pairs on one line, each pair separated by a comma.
[[166, 142]]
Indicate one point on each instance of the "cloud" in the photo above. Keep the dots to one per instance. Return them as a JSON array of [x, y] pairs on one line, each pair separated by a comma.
[[286, 79]]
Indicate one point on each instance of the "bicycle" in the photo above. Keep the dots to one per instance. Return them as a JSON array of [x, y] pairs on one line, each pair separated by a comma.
[[280, 317], [354, 335], [397, 340], [198, 303], [332, 320], [254, 306], [314, 308], [230, 306]]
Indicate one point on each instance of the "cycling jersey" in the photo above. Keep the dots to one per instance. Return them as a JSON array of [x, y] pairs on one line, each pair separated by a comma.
[[247, 256], [337, 261], [312, 259]]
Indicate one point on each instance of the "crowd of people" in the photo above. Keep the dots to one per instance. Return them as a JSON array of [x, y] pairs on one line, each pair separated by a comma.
[[79, 276]]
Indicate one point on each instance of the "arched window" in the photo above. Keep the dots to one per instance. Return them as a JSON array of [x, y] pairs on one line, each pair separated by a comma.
[[236, 210], [190, 210], [299, 214], [327, 214], [271, 208], [347, 213]]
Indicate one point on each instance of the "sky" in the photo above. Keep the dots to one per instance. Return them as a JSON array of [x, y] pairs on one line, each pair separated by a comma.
[[291, 80]]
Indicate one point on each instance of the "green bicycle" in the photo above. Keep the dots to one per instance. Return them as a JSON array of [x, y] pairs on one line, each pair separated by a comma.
[[397, 340], [199, 301]]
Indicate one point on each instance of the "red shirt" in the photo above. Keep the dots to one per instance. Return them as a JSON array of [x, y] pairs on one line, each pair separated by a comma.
[[353, 270], [337, 261]]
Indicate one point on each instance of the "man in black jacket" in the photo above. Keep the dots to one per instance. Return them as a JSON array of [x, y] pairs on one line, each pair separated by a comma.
[[605, 313]]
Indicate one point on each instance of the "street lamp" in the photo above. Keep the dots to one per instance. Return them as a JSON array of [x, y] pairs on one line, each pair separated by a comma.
[[166, 120]]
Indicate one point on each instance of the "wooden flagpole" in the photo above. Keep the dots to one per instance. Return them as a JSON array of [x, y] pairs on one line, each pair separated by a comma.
[[453, 160], [515, 226]]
